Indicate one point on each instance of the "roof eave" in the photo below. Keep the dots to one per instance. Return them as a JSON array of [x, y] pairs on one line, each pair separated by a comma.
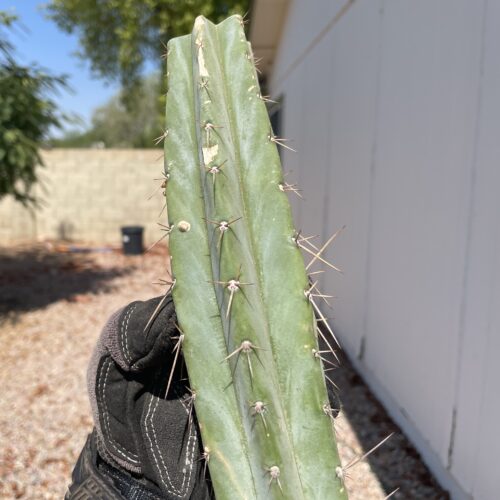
[[268, 18]]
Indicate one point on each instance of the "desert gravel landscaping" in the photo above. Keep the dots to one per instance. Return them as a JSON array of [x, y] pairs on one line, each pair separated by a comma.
[[53, 303]]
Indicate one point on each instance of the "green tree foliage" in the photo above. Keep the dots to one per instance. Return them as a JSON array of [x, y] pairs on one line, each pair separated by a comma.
[[115, 125], [118, 36], [26, 116]]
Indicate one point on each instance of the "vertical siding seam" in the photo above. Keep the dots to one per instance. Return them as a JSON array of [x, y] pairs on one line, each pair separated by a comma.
[[468, 237], [371, 192]]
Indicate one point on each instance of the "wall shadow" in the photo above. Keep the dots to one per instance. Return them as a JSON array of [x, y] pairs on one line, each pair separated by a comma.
[[34, 277]]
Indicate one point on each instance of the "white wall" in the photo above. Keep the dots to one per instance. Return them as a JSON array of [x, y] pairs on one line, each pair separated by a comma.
[[394, 108]]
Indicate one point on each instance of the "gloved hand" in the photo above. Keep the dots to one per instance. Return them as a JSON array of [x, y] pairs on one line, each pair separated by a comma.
[[145, 445]]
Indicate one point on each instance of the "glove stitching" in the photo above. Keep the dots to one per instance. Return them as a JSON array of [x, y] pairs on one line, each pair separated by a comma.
[[170, 487], [106, 418], [173, 491], [124, 333], [192, 438], [188, 461]]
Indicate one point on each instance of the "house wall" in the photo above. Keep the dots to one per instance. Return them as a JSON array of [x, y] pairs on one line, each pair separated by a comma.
[[394, 109], [87, 195]]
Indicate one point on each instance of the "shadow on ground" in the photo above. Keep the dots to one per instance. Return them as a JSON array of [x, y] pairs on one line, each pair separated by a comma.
[[34, 277]]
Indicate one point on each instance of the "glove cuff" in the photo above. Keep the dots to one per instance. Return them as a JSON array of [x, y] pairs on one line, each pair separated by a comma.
[[94, 479]]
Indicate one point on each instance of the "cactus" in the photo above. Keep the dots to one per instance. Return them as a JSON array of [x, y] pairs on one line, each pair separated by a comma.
[[241, 291]]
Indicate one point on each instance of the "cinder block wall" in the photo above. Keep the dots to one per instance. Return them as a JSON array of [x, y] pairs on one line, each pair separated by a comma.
[[87, 195]]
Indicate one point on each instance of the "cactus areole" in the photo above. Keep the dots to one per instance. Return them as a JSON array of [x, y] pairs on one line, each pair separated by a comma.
[[249, 328]]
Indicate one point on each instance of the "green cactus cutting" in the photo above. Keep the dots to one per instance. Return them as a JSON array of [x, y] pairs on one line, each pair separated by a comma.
[[242, 294]]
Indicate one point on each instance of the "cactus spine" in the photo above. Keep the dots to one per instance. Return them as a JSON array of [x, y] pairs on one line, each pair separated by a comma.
[[241, 290]]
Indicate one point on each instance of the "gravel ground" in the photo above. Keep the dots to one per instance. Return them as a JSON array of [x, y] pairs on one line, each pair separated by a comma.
[[52, 306]]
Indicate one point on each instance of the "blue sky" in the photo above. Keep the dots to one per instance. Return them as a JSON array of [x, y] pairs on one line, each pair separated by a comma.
[[42, 42]]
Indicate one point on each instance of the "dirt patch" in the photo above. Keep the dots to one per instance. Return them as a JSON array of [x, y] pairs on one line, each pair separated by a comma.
[[53, 305]]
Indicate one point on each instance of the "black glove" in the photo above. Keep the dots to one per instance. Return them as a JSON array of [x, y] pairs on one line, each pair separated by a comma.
[[146, 444]]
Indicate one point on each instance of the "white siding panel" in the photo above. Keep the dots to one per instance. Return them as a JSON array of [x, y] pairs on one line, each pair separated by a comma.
[[425, 133], [486, 481], [353, 108], [396, 128], [477, 441], [313, 144], [305, 20]]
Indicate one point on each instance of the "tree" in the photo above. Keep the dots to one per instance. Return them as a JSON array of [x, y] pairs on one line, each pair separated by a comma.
[[118, 36], [26, 116], [114, 125]]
